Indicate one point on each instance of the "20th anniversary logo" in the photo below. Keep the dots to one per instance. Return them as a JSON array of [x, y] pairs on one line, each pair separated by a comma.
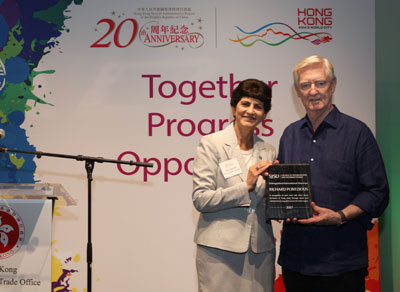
[[155, 27]]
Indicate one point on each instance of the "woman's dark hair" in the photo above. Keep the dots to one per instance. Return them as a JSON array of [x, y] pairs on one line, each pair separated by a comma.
[[255, 89]]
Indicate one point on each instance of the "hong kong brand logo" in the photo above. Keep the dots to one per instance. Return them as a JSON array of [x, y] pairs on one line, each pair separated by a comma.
[[12, 232], [313, 26]]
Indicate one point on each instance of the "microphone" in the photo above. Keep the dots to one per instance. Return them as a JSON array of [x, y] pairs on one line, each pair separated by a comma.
[[2, 134]]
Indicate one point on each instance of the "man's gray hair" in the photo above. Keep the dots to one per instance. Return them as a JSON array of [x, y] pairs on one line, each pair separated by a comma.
[[313, 60]]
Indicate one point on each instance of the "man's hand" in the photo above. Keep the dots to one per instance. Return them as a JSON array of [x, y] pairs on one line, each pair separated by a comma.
[[325, 216], [322, 216]]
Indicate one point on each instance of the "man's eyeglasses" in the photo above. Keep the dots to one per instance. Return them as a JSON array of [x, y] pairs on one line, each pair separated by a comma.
[[317, 84]]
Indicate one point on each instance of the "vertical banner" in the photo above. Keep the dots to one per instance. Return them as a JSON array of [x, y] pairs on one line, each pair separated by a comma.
[[144, 81], [25, 245]]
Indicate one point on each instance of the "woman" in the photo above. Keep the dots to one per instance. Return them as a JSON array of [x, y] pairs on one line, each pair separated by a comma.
[[235, 244]]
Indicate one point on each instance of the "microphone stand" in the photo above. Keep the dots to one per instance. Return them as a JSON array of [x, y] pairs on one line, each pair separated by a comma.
[[89, 165]]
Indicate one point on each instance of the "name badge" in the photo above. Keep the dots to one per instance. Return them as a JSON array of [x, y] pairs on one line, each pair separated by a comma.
[[230, 168]]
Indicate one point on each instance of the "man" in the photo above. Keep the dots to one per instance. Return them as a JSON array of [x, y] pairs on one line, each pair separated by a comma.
[[329, 252]]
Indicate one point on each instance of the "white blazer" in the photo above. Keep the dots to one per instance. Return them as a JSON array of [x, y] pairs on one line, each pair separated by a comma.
[[227, 218]]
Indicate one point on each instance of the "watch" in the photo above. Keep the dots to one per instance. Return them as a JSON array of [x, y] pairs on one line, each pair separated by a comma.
[[343, 218]]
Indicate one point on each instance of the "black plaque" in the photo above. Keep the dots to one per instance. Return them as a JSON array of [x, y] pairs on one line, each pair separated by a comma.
[[288, 191]]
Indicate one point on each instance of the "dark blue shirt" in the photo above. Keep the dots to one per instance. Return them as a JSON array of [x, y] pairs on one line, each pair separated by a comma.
[[346, 168]]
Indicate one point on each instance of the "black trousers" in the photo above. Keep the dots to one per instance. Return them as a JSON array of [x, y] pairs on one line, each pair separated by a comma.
[[353, 281]]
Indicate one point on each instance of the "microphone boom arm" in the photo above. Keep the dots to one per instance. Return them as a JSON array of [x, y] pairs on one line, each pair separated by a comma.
[[39, 154]]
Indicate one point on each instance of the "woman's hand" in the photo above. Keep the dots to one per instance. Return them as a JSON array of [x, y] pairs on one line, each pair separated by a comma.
[[260, 168]]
